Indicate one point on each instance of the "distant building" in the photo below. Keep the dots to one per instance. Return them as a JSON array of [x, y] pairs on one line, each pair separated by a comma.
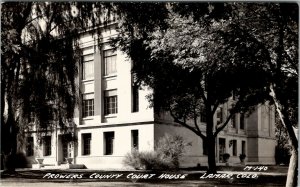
[[114, 116]]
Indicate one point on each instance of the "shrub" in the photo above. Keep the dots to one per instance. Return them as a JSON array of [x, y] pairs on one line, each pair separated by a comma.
[[142, 160], [168, 151], [282, 155], [171, 148], [226, 156], [17, 161], [242, 156], [151, 161], [133, 159]]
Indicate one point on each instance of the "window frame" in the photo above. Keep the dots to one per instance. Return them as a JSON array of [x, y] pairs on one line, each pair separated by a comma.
[[29, 146], [242, 121], [135, 99], [220, 116], [113, 64], [88, 109], [243, 147], [135, 139], [109, 138], [83, 67], [86, 143], [110, 102], [47, 145], [234, 148], [233, 121]]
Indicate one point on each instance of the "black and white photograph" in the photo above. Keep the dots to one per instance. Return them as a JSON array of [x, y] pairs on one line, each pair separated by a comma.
[[191, 94]]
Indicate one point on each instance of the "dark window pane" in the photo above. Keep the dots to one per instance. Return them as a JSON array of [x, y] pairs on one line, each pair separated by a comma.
[[86, 144], [109, 142], [242, 121], [29, 146], [135, 139], [110, 103], [88, 108], [47, 145], [135, 99]]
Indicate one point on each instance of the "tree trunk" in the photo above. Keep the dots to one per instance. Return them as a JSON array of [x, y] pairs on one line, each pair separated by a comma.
[[291, 180], [211, 153], [283, 116], [292, 177], [9, 163], [3, 125], [10, 149]]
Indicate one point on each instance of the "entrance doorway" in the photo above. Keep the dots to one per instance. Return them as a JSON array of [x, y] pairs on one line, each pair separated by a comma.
[[64, 149], [67, 150]]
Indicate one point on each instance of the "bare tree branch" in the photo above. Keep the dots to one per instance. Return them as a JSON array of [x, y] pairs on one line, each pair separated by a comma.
[[196, 124], [224, 124], [176, 120]]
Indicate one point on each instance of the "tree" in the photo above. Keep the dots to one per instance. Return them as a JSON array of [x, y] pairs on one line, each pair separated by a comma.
[[40, 57], [283, 147], [274, 27], [11, 38], [190, 66], [262, 32]]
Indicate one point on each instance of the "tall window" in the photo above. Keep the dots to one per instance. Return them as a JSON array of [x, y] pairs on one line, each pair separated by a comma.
[[243, 147], [135, 98], [110, 102], [86, 143], [65, 149], [233, 147], [110, 62], [87, 105], [242, 121], [109, 142], [135, 139], [88, 67], [233, 121], [29, 146], [222, 148], [47, 145], [220, 115]]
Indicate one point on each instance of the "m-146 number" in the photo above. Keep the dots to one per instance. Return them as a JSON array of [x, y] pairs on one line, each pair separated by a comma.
[[256, 168]]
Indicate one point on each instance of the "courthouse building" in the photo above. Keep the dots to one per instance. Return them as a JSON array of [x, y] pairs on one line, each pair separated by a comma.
[[114, 116]]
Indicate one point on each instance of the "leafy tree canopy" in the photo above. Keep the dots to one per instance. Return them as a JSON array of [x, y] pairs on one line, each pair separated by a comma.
[[40, 58], [191, 65], [199, 53]]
